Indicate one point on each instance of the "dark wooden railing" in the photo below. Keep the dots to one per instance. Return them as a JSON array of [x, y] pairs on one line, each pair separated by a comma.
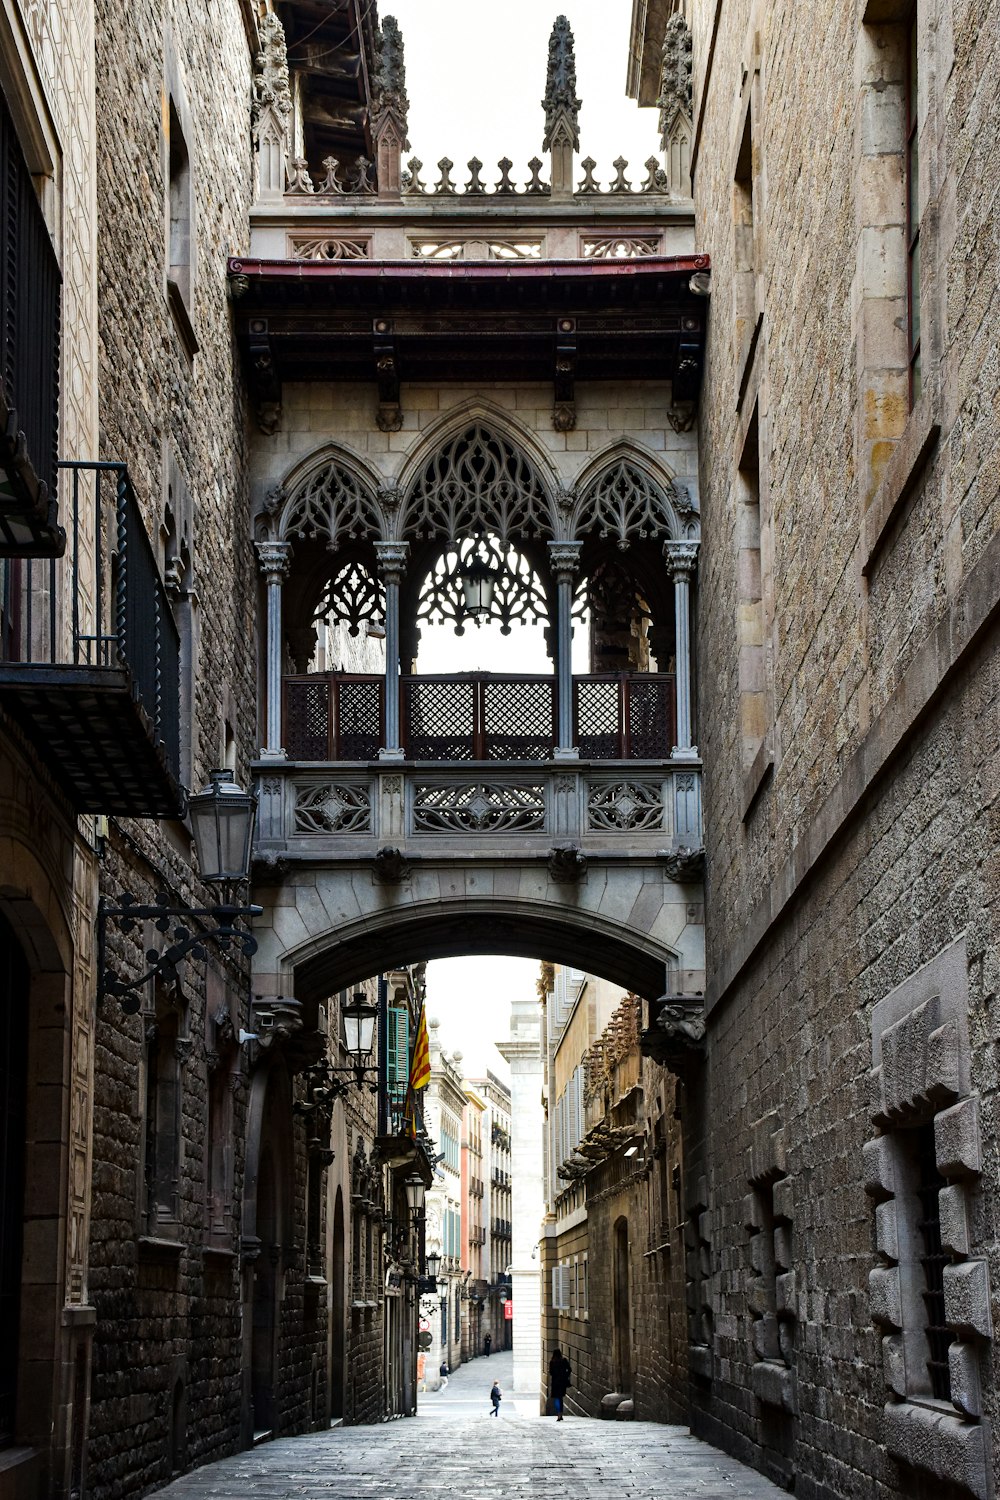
[[119, 613], [479, 717], [29, 355]]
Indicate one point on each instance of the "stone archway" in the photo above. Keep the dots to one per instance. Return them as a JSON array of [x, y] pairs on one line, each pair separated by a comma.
[[330, 926]]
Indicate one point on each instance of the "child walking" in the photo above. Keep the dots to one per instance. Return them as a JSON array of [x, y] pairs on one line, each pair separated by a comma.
[[496, 1396]]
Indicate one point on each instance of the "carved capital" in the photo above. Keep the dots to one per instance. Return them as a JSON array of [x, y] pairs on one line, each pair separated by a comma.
[[392, 560], [682, 558], [275, 559], [564, 558]]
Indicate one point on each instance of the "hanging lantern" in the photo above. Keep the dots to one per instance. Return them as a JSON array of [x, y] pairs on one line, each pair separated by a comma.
[[222, 818], [478, 581], [359, 1027]]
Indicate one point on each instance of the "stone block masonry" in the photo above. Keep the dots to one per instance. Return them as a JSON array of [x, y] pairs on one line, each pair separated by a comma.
[[864, 854], [172, 109]]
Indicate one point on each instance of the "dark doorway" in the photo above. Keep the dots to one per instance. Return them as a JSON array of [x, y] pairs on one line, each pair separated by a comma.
[[338, 1330], [622, 1309], [265, 1290], [14, 983]]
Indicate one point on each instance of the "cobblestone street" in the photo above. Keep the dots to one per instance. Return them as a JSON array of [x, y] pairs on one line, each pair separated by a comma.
[[520, 1454]]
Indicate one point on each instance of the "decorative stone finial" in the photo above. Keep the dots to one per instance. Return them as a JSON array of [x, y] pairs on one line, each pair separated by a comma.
[[389, 83], [675, 75], [561, 106], [389, 109], [271, 87]]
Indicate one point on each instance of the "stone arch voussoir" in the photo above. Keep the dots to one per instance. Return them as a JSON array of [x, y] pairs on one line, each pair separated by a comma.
[[327, 939]]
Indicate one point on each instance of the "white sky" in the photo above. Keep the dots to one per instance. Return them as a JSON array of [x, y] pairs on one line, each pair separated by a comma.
[[475, 75]]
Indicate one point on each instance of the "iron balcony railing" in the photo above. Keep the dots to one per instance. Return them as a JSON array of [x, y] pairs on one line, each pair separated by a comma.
[[29, 359], [101, 605], [479, 717]]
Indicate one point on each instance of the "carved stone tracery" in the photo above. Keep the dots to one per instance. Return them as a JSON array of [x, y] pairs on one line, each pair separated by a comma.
[[480, 807], [518, 592], [478, 481], [624, 503]]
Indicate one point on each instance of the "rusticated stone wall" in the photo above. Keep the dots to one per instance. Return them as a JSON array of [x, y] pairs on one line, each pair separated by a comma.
[[851, 847]]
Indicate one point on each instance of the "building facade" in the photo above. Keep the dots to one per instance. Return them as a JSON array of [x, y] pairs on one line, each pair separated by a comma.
[[497, 1210]]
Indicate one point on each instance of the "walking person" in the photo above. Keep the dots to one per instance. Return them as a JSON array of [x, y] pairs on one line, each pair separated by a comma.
[[496, 1396], [559, 1381], [487, 1344], [444, 1375]]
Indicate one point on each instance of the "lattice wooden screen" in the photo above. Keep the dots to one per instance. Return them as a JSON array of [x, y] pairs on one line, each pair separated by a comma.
[[519, 719], [307, 718]]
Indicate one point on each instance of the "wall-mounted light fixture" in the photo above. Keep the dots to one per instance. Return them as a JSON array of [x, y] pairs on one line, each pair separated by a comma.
[[222, 818]]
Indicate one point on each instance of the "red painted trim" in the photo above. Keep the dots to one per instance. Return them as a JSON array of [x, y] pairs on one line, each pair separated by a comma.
[[405, 270]]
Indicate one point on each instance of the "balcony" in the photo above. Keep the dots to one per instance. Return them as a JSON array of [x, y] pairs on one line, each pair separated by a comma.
[[90, 655], [479, 717], [29, 361]]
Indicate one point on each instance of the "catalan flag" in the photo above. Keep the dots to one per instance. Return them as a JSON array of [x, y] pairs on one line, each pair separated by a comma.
[[420, 1067]]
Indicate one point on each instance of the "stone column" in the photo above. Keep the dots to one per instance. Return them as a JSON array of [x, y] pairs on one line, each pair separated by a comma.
[[391, 566], [681, 558], [275, 559], [564, 560], [524, 1053]]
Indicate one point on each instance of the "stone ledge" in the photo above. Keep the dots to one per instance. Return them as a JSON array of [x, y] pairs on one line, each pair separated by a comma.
[[899, 480], [774, 1385], [937, 1442], [755, 778]]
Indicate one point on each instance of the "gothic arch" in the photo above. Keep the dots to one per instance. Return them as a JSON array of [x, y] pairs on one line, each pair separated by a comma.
[[331, 496], [501, 421], [624, 495]]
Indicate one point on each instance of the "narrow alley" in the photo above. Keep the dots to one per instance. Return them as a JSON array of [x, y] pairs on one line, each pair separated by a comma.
[[520, 1454]]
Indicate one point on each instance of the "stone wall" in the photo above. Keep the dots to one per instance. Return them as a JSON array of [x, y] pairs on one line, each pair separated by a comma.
[[166, 1388], [852, 845]]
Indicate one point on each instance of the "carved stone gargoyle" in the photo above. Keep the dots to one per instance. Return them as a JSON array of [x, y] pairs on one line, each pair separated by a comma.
[[391, 865], [567, 863], [684, 864], [675, 1037]]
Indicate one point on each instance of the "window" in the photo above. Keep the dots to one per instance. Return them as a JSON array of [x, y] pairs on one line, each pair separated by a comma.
[[912, 172], [744, 242], [932, 1261], [161, 1156], [180, 232], [398, 1055], [179, 255]]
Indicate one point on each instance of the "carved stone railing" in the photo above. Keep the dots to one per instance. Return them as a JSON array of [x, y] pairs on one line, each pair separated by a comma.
[[577, 811], [333, 183]]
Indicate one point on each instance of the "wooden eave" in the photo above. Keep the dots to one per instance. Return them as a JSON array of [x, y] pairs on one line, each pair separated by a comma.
[[629, 319]]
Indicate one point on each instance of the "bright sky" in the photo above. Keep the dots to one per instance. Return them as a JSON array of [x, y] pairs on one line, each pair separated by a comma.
[[475, 76]]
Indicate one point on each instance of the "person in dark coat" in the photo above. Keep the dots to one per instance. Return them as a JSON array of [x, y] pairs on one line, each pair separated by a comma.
[[559, 1381], [488, 1344], [496, 1396]]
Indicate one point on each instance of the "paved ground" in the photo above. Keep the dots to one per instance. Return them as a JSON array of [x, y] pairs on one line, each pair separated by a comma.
[[455, 1449]]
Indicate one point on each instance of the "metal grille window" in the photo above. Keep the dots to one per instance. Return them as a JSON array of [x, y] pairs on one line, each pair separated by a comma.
[[932, 1261]]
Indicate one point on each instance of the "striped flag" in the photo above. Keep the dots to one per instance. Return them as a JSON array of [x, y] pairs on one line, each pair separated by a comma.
[[420, 1067]]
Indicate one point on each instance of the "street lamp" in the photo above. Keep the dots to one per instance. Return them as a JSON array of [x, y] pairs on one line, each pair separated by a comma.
[[222, 819], [433, 1263], [415, 1194], [359, 1030]]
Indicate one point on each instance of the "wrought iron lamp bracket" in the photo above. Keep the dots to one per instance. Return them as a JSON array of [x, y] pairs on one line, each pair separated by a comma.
[[185, 941]]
